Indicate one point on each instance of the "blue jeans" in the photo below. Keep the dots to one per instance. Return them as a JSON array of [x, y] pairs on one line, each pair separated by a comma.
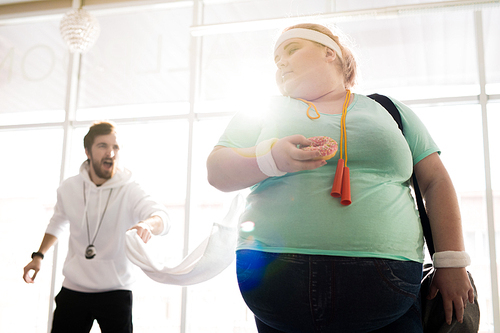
[[296, 293]]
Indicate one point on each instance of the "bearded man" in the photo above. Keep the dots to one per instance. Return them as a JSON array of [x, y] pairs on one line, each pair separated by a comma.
[[98, 206]]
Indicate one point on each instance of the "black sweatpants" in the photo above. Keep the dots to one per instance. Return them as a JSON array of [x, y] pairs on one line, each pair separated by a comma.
[[75, 311]]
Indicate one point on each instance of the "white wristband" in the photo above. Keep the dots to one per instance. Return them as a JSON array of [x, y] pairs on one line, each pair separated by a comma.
[[451, 259], [265, 158]]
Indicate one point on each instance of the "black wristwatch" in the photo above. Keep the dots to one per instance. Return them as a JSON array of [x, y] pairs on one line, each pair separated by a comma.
[[34, 254]]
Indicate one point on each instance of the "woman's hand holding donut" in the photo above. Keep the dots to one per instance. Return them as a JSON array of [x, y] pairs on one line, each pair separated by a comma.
[[289, 158], [231, 169]]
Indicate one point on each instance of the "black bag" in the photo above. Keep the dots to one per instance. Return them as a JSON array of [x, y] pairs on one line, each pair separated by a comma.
[[433, 317]]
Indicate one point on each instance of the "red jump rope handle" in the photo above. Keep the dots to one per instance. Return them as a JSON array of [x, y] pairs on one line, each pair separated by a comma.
[[346, 188], [337, 181]]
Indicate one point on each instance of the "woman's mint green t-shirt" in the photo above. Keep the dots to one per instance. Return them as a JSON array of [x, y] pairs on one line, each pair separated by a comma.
[[295, 213]]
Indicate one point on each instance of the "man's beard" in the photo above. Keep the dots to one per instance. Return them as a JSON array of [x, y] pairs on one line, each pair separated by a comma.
[[103, 174]]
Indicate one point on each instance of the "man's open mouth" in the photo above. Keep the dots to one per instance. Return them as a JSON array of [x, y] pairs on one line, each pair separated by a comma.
[[108, 164]]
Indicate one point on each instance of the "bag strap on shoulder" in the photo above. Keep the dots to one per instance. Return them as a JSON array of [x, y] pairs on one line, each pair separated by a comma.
[[424, 219]]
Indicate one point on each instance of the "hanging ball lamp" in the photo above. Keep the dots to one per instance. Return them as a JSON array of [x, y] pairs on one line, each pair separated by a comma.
[[80, 30]]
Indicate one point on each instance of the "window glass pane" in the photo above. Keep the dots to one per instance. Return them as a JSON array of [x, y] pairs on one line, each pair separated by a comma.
[[30, 177], [458, 132], [32, 163], [133, 111], [157, 156], [364, 4], [139, 58], [416, 57], [216, 11], [215, 305], [491, 30], [208, 204], [238, 66], [33, 65], [494, 142], [157, 307]]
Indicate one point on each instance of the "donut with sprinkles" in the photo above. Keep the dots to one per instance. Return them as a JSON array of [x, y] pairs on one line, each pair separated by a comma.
[[326, 146]]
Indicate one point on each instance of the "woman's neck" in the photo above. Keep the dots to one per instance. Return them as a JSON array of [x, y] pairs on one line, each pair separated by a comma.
[[331, 102]]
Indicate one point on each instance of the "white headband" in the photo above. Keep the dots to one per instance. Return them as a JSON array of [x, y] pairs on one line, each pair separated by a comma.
[[311, 35]]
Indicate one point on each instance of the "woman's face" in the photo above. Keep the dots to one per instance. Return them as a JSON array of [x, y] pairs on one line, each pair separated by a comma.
[[304, 69]]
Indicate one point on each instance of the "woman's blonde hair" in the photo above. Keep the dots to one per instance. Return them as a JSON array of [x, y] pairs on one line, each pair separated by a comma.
[[347, 63]]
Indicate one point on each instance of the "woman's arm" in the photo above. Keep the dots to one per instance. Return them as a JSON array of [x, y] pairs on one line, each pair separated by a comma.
[[231, 169], [444, 215], [441, 204]]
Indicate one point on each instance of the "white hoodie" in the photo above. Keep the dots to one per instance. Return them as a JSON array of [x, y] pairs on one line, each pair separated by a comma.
[[128, 204]]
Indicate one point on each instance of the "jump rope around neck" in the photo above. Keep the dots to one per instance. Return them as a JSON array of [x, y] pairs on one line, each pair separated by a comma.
[[342, 181]]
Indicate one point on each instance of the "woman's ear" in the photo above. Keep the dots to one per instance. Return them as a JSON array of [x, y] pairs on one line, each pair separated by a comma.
[[331, 55]]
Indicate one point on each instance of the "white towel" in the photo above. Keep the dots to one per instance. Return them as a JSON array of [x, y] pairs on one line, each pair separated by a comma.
[[210, 258]]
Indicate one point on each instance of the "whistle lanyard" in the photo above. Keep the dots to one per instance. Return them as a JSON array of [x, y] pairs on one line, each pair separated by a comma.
[[91, 244]]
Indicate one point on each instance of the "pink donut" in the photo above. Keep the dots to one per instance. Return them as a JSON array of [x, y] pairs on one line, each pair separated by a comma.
[[326, 146]]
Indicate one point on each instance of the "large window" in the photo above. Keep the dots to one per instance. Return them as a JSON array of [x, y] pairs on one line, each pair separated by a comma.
[[172, 74], [30, 170]]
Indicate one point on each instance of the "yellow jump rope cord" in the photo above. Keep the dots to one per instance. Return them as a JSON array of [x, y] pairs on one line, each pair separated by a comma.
[[309, 108], [343, 133]]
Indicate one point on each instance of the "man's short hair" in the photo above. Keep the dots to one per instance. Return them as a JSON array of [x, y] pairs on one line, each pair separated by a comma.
[[98, 128]]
